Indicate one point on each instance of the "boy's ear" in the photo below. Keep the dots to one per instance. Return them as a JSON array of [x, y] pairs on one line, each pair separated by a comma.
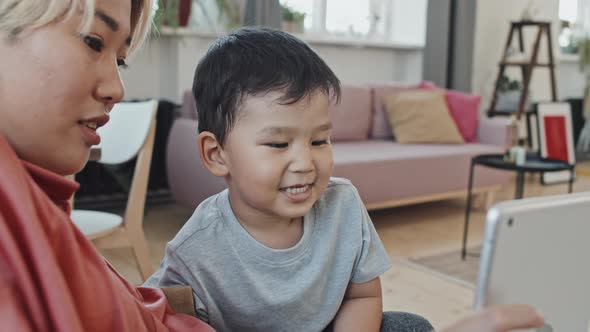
[[212, 154]]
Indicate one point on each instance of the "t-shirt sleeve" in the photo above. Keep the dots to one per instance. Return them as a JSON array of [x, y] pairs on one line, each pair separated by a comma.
[[372, 260], [174, 272]]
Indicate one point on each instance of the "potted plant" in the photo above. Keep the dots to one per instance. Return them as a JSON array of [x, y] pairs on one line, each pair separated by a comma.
[[292, 20], [173, 13], [177, 13], [229, 11], [508, 95]]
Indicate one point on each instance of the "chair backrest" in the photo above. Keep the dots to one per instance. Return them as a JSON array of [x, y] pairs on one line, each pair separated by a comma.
[[125, 133]]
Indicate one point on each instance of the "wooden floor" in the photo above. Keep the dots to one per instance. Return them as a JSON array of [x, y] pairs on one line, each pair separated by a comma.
[[410, 231]]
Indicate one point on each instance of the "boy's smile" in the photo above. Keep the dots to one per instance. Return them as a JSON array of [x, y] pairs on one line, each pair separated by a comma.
[[278, 158], [299, 192]]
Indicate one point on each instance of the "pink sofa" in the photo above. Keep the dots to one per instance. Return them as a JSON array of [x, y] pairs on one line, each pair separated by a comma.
[[386, 173]]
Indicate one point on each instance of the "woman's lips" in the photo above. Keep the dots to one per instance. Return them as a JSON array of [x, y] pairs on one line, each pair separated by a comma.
[[91, 137], [89, 127]]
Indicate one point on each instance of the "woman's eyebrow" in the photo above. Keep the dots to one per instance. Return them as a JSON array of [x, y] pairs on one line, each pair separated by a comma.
[[111, 23]]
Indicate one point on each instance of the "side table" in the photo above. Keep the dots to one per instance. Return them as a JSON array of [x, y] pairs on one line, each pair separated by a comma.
[[533, 164]]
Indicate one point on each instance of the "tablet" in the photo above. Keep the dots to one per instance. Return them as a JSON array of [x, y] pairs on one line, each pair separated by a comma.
[[537, 251]]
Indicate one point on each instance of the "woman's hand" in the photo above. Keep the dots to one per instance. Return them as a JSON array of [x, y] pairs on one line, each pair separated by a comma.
[[499, 319]]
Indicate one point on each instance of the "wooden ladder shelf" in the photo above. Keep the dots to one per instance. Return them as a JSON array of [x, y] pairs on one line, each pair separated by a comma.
[[525, 66]]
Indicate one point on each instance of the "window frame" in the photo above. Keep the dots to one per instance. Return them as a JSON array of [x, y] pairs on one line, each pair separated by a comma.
[[319, 17]]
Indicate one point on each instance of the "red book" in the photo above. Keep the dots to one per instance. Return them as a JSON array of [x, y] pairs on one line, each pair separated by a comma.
[[556, 138]]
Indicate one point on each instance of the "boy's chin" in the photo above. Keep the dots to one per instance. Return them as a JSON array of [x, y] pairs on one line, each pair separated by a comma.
[[297, 211]]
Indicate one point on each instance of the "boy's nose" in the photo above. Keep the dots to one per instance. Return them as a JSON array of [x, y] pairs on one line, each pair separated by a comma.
[[302, 161]]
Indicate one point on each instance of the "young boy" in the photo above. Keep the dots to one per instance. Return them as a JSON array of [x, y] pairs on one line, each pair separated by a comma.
[[285, 247]]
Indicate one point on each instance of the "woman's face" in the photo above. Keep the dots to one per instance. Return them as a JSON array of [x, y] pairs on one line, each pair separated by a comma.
[[57, 85]]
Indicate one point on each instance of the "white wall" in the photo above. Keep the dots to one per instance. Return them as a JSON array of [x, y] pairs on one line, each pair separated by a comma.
[[492, 26], [571, 80], [165, 67]]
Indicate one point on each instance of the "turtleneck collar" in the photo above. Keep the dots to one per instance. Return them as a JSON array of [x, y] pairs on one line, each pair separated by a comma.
[[57, 187]]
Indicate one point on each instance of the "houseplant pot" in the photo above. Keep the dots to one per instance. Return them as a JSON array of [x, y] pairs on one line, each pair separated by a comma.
[[184, 12], [292, 20]]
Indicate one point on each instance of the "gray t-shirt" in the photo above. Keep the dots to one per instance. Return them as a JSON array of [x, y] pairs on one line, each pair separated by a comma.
[[241, 285]]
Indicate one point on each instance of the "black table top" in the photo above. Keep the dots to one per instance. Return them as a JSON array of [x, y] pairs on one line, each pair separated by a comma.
[[533, 163]]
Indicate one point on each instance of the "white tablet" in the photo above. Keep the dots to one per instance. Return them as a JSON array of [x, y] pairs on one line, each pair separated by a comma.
[[537, 251]]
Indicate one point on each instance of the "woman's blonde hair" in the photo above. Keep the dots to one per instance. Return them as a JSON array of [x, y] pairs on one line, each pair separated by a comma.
[[16, 15]]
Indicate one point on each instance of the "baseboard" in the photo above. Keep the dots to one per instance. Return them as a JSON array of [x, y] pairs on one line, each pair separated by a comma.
[[430, 198]]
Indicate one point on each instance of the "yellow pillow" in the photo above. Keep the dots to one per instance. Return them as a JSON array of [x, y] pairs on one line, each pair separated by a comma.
[[421, 116]]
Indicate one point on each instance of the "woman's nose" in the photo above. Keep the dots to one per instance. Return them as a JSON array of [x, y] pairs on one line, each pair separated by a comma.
[[110, 87]]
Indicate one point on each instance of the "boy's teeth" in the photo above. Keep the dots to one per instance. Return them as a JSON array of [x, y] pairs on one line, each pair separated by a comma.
[[299, 190]]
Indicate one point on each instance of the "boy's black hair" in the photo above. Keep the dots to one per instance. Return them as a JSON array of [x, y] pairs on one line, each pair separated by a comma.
[[251, 61]]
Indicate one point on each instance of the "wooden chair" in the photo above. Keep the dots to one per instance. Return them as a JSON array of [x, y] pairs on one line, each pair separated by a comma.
[[129, 133]]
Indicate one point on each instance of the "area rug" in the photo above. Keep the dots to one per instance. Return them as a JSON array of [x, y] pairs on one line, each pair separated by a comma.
[[451, 264]]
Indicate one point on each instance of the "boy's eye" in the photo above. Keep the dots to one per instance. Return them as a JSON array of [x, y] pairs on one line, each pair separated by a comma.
[[94, 43], [320, 142], [277, 145]]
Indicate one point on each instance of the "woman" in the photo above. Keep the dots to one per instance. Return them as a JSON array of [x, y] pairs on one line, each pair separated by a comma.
[[59, 79]]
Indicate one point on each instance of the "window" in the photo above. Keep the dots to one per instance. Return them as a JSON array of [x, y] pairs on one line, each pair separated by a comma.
[[396, 21], [574, 16], [348, 18], [568, 16], [304, 7]]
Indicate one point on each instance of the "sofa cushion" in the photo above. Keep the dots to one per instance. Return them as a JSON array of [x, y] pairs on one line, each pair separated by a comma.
[[464, 108], [421, 116], [383, 170], [380, 126], [351, 118]]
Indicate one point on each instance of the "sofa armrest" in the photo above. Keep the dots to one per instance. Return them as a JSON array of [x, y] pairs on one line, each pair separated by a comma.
[[493, 131], [189, 181]]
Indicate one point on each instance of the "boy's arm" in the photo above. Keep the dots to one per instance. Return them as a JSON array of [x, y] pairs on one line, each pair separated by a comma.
[[176, 279], [361, 309]]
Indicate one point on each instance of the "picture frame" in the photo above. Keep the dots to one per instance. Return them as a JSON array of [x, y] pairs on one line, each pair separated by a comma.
[[532, 131], [555, 137]]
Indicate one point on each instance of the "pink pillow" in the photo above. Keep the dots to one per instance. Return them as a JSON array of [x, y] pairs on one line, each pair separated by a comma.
[[464, 110]]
